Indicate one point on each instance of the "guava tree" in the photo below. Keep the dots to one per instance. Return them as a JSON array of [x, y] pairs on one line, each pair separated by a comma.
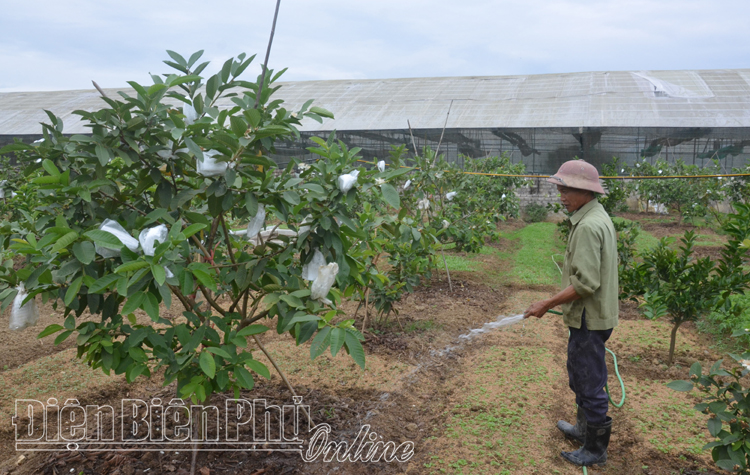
[[139, 213]]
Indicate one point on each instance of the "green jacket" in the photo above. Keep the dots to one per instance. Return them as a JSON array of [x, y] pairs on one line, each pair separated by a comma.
[[591, 268]]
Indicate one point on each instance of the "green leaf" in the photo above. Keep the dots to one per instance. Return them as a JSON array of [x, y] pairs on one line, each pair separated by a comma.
[[291, 197], [193, 228], [207, 363], [50, 167], [46, 180], [104, 239], [160, 275], [259, 368], [73, 290], [251, 203], [244, 378], [84, 252], [239, 127], [151, 306], [219, 352], [320, 343], [337, 340], [179, 59], [131, 266], [133, 303], [102, 154], [252, 330], [321, 112], [54, 328], [696, 369], [65, 241], [714, 426], [103, 283], [390, 195], [62, 337], [205, 279], [355, 348], [193, 147]]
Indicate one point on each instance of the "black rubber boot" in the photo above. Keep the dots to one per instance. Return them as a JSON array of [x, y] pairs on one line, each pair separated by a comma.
[[574, 432], [594, 450]]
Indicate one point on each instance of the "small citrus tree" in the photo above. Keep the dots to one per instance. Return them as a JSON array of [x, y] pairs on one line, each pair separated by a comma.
[[675, 284], [173, 167]]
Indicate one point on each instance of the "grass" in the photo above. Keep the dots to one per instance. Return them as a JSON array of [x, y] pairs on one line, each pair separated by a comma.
[[488, 423], [532, 263]]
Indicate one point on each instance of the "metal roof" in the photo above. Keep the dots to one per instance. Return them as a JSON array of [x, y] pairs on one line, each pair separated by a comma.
[[708, 98]]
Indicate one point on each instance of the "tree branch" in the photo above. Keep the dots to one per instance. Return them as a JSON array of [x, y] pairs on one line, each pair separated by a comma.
[[226, 238], [121, 202], [248, 321], [211, 301]]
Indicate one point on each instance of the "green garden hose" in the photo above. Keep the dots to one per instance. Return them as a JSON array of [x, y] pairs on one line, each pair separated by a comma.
[[606, 386]]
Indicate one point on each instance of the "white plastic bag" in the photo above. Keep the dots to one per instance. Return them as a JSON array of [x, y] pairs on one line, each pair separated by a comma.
[[210, 166], [148, 238], [190, 114], [450, 195], [114, 228], [381, 166], [310, 270], [303, 228], [23, 316], [406, 185], [323, 283], [423, 204], [256, 224], [346, 182]]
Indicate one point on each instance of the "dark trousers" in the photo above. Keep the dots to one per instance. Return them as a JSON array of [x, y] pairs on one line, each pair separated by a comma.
[[587, 370]]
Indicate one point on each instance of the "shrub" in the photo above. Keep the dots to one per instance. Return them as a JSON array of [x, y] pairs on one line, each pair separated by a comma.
[[727, 404], [617, 190], [535, 213], [689, 197]]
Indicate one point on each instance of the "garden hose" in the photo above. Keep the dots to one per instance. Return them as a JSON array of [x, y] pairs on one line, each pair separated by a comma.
[[606, 386]]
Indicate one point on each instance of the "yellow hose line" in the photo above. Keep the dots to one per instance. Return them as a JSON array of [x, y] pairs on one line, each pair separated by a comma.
[[657, 177]]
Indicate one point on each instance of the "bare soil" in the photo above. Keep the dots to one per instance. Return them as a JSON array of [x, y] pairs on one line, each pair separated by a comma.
[[483, 405]]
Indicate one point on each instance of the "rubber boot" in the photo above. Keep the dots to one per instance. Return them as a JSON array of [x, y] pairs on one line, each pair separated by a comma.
[[574, 432], [594, 450]]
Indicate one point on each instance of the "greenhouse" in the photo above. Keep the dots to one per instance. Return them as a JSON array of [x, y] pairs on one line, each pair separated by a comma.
[[540, 120]]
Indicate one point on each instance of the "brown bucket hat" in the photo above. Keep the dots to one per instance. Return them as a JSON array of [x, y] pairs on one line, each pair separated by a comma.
[[578, 174]]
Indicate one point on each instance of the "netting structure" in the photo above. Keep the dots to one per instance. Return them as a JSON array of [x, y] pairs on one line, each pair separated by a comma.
[[540, 120]]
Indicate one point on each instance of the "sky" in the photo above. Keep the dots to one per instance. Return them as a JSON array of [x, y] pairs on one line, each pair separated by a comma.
[[63, 45]]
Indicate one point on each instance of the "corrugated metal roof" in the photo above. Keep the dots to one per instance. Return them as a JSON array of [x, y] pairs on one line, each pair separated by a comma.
[[709, 98]]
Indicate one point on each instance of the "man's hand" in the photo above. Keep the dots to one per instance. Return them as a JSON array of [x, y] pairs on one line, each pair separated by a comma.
[[537, 309]]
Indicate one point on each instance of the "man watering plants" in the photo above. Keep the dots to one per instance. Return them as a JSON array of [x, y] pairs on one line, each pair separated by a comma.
[[589, 305]]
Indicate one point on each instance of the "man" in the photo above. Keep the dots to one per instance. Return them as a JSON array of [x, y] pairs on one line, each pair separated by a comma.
[[590, 307]]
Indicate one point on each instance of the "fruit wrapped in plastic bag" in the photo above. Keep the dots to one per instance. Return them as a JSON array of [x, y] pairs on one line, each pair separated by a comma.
[[23, 316], [381, 166], [209, 166], [256, 223], [346, 182], [323, 283], [310, 270], [113, 227], [149, 236]]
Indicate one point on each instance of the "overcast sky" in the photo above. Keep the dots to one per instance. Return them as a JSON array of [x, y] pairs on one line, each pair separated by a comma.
[[59, 45]]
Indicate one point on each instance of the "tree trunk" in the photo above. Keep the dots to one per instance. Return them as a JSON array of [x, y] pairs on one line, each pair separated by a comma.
[[672, 342]]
